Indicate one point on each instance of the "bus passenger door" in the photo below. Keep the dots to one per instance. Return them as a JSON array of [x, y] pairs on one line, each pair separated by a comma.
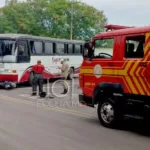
[[22, 51]]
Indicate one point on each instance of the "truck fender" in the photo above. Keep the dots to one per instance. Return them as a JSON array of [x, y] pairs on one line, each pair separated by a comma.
[[107, 89]]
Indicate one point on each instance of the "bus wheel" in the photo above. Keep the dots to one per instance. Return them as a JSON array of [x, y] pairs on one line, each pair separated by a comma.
[[71, 73], [30, 78], [107, 113]]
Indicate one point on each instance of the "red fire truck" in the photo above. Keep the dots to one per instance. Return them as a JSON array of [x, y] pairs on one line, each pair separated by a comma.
[[115, 74]]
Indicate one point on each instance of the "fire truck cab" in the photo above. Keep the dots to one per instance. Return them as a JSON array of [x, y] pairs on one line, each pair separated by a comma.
[[115, 74]]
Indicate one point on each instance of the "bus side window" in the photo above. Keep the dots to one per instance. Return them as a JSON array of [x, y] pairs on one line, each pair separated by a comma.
[[60, 48], [81, 49], [73, 48], [48, 48], [32, 47], [66, 49], [54, 48], [36, 47], [70, 49], [77, 49]]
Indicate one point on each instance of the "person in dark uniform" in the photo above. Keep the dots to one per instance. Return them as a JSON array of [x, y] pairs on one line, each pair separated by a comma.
[[38, 79]]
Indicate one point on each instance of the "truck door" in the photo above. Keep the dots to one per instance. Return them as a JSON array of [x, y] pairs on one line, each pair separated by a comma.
[[136, 57], [95, 68]]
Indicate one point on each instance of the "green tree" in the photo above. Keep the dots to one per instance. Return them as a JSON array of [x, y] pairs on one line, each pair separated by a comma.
[[52, 18]]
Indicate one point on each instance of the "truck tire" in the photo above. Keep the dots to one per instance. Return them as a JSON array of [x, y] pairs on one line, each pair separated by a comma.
[[107, 113]]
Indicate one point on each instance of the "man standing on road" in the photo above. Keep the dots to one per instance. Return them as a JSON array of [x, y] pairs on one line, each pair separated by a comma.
[[64, 71], [38, 79]]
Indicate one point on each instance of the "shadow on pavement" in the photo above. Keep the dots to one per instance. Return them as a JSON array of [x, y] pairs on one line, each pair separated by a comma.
[[26, 84], [134, 126]]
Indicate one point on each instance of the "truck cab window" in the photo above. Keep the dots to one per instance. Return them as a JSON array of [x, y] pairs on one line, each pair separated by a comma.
[[103, 48], [135, 47]]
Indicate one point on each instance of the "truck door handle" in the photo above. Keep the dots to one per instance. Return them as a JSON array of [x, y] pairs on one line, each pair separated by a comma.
[[111, 64], [143, 64]]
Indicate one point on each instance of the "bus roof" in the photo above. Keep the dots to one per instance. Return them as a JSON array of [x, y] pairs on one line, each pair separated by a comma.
[[26, 36], [123, 31]]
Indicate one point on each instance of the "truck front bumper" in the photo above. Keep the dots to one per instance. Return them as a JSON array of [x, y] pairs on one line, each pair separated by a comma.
[[86, 100]]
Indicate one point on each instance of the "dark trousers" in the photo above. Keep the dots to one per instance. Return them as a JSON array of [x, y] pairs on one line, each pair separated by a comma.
[[37, 82]]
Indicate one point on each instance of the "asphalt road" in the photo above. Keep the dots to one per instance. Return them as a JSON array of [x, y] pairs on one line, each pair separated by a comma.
[[31, 123]]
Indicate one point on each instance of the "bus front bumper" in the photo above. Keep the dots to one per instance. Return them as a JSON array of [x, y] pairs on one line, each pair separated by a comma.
[[8, 77]]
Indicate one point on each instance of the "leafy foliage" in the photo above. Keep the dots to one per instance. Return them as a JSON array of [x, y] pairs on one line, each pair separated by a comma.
[[52, 18]]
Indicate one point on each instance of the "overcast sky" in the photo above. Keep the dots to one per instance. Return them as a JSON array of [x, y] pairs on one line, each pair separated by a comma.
[[122, 12]]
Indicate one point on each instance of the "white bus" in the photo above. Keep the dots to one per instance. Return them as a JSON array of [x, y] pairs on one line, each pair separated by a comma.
[[18, 53]]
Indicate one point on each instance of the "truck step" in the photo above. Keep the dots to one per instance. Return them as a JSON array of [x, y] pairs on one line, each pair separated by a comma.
[[134, 117], [135, 101]]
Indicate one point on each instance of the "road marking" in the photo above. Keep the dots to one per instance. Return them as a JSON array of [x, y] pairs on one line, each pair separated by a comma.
[[50, 84], [73, 112], [26, 95]]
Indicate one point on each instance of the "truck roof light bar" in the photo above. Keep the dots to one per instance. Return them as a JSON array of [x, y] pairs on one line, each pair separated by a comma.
[[115, 27]]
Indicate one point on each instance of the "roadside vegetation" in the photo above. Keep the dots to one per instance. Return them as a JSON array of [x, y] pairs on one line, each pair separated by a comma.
[[52, 18]]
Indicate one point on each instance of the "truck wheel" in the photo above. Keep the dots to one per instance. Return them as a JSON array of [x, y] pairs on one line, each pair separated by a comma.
[[107, 113], [30, 79], [70, 75]]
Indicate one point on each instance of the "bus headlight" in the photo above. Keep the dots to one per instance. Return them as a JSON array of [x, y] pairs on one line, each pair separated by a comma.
[[14, 71]]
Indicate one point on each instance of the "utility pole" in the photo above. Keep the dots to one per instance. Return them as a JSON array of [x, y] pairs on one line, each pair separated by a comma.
[[10, 1], [71, 18], [6, 2], [71, 21]]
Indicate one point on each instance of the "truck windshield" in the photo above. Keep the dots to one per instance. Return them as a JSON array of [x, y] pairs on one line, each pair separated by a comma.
[[6, 47]]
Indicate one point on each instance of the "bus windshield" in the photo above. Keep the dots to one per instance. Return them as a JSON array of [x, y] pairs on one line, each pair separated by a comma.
[[6, 47]]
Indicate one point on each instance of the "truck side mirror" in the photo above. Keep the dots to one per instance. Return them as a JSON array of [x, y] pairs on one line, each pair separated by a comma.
[[87, 50]]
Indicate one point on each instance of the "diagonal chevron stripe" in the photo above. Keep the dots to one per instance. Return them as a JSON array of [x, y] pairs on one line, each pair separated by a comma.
[[129, 81], [140, 78], [135, 77], [127, 85], [147, 85], [147, 38], [129, 76]]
